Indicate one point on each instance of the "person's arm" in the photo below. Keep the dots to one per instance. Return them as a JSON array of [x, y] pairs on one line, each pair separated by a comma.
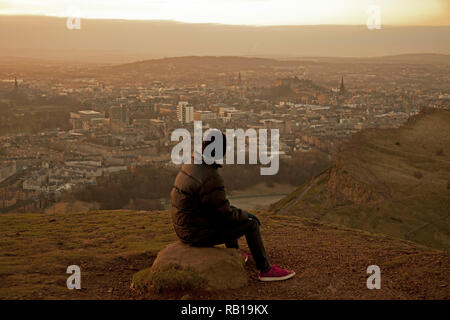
[[250, 215], [213, 196]]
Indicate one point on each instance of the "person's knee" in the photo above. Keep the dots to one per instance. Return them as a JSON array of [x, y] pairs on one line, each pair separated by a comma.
[[252, 224]]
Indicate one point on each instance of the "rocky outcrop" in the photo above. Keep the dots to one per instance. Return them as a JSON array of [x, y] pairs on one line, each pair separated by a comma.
[[180, 267], [343, 188], [352, 178]]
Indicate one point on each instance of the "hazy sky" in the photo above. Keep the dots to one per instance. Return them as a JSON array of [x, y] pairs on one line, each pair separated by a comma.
[[248, 12]]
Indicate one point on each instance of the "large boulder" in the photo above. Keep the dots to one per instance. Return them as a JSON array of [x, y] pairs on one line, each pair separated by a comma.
[[182, 267]]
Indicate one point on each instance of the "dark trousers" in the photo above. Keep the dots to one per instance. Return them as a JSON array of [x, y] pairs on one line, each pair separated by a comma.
[[230, 234]]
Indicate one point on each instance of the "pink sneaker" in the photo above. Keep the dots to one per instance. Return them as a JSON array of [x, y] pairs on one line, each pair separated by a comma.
[[245, 256], [275, 274]]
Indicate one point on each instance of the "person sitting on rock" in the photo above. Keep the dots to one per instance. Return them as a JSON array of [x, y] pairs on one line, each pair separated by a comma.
[[203, 217]]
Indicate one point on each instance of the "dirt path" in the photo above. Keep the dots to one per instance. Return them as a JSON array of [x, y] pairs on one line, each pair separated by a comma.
[[300, 197]]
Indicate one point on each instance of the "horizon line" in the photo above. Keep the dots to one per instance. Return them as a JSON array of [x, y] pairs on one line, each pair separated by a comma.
[[286, 58], [25, 15]]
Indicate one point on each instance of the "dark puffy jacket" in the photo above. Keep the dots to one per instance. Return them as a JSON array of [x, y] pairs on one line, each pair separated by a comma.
[[200, 204]]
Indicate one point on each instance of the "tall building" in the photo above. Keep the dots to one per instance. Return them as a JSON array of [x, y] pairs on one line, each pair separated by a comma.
[[342, 87], [119, 114], [185, 112]]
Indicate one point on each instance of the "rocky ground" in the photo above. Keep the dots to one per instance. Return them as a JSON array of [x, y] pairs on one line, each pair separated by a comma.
[[111, 246]]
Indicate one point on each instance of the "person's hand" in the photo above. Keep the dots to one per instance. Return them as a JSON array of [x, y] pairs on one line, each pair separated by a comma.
[[253, 217]]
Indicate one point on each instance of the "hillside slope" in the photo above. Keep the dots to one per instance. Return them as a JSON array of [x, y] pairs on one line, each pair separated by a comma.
[[392, 181], [211, 64], [110, 246]]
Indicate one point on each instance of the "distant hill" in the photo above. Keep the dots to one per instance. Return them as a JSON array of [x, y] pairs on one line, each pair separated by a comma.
[[417, 58], [213, 64], [125, 41], [392, 181], [216, 64], [412, 58]]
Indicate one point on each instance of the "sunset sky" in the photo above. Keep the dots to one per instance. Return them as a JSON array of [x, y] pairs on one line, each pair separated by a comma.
[[245, 12]]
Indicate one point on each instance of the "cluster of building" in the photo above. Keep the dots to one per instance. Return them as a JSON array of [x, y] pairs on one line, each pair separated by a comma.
[[121, 126]]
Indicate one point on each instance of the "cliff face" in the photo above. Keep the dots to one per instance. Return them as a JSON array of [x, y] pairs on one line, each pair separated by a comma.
[[343, 188], [394, 181]]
